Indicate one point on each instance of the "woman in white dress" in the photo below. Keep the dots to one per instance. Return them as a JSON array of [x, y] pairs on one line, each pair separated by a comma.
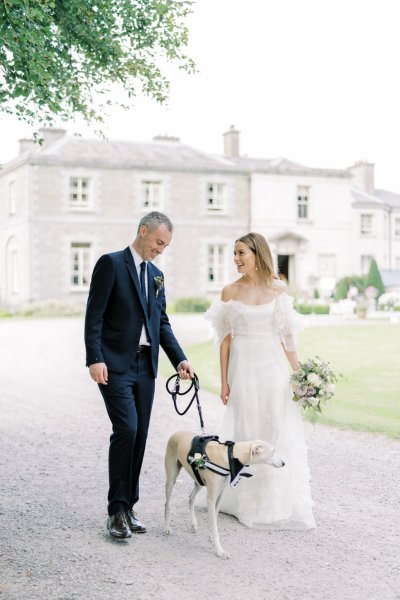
[[255, 327]]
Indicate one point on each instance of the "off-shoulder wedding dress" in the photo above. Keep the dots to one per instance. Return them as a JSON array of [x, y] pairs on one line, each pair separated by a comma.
[[261, 407]]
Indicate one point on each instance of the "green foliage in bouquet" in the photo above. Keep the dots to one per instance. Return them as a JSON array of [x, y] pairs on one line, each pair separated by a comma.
[[313, 384]]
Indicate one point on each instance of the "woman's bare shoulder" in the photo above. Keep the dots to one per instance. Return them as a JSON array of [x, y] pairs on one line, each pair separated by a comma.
[[230, 291], [279, 286]]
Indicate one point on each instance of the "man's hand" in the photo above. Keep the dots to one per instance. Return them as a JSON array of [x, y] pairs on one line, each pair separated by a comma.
[[185, 370], [99, 372]]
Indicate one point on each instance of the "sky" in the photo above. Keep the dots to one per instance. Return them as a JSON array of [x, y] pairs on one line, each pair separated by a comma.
[[315, 81]]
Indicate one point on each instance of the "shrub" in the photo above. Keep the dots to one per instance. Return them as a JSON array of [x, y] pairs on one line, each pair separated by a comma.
[[321, 309], [191, 305], [307, 309], [52, 308], [343, 285], [374, 278], [304, 309]]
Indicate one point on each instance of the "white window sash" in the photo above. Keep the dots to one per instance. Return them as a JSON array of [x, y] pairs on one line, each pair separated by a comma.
[[80, 196], [80, 264], [216, 197], [216, 265], [152, 194]]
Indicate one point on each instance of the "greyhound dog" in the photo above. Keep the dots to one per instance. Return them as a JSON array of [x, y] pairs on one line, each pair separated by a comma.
[[176, 456]]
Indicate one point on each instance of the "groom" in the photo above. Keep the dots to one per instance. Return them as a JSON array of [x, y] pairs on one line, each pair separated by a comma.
[[125, 324]]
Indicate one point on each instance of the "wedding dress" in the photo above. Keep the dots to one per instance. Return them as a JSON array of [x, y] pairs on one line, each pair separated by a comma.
[[260, 406]]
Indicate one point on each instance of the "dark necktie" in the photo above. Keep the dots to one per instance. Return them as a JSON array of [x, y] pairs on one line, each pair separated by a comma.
[[143, 283]]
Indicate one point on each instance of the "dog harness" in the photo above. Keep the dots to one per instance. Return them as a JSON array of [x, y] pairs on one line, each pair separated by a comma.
[[198, 460]]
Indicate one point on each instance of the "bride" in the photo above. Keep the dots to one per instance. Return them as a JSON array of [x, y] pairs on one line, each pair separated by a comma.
[[255, 327]]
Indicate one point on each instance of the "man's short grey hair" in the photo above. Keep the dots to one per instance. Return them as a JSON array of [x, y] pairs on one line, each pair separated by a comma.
[[154, 219]]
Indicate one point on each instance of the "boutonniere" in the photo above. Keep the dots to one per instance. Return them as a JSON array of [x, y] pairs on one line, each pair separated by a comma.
[[159, 283]]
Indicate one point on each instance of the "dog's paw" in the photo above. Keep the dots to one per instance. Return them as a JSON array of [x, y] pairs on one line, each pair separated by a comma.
[[222, 554], [167, 530], [193, 527]]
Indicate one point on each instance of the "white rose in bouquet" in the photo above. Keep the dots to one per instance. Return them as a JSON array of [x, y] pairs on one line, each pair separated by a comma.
[[314, 379]]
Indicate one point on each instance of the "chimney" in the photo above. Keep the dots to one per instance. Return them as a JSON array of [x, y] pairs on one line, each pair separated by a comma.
[[27, 145], [362, 173], [165, 138], [231, 142], [49, 135]]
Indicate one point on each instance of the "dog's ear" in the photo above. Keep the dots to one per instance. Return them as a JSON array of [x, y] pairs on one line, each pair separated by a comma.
[[257, 448]]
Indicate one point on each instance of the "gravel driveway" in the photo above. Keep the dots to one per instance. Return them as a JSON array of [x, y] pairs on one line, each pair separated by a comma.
[[53, 457]]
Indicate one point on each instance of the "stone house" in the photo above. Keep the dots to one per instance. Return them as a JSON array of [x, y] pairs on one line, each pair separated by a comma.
[[66, 202]]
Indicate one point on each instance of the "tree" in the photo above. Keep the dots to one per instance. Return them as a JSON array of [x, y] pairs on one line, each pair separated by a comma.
[[57, 57], [374, 278]]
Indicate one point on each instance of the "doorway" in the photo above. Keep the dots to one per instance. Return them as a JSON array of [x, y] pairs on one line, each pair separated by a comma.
[[284, 267]]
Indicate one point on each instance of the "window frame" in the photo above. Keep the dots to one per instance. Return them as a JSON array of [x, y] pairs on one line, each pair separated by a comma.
[[364, 269], [81, 247], [220, 205], [80, 204], [152, 184], [366, 231], [303, 202], [396, 228], [12, 205], [218, 253]]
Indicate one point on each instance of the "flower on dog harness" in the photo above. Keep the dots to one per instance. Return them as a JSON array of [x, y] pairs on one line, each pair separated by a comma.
[[198, 459]]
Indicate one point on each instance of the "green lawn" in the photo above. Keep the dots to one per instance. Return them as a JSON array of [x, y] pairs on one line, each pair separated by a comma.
[[368, 396]]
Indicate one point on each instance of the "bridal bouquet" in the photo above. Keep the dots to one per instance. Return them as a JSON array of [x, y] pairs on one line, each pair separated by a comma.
[[313, 384]]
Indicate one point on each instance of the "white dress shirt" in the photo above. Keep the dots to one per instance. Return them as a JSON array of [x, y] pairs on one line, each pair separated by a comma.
[[138, 260]]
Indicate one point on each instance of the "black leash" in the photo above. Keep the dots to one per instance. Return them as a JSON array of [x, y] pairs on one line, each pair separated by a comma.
[[176, 392]]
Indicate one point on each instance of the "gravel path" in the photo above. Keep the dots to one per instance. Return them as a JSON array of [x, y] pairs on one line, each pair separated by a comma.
[[53, 458]]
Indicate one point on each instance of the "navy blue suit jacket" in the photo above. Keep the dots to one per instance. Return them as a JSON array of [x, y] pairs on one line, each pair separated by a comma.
[[115, 315]]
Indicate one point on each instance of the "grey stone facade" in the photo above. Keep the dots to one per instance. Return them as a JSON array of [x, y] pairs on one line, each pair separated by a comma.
[[66, 202]]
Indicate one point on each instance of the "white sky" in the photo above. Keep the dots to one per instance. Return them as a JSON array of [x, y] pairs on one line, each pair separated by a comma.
[[316, 81]]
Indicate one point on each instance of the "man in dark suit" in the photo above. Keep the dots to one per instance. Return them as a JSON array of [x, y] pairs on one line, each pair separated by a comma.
[[125, 324]]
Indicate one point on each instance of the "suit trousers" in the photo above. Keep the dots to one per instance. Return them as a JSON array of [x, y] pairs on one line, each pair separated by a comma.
[[129, 399]]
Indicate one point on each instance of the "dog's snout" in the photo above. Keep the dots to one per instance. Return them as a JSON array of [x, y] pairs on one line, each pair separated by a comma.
[[283, 463]]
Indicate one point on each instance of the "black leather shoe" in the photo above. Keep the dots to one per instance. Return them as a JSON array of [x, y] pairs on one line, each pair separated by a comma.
[[134, 524], [118, 527]]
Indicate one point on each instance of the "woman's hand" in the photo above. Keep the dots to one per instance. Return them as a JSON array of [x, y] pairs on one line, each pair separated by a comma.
[[225, 391]]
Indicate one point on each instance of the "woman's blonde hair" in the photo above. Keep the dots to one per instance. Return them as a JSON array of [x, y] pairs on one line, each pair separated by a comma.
[[259, 245]]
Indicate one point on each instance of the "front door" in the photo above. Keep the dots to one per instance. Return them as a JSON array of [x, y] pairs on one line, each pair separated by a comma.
[[284, 267]]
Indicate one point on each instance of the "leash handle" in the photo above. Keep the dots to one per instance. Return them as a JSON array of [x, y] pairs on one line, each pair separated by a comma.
[[176, 392]]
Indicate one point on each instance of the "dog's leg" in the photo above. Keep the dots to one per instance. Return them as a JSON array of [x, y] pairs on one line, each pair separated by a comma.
[[172, 469], [212, 498], [192, 497], [218, 503]]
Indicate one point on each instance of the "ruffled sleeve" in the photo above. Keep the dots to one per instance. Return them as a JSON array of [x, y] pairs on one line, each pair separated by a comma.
[[218, 316], [287, 321]]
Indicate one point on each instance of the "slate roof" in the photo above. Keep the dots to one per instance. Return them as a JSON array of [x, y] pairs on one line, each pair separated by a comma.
[[160, 153], [379, 199], [283, 166], [169, 155], [390, 278]]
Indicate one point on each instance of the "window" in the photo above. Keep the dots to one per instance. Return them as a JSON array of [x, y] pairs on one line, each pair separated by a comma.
[[12, 275], [79, 192], [216, 264], [12, 209], [80, 265], [396, 228], [327, 265], [216, 197], [152, 194], [366, 223], [303, 195], [365, 264]]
